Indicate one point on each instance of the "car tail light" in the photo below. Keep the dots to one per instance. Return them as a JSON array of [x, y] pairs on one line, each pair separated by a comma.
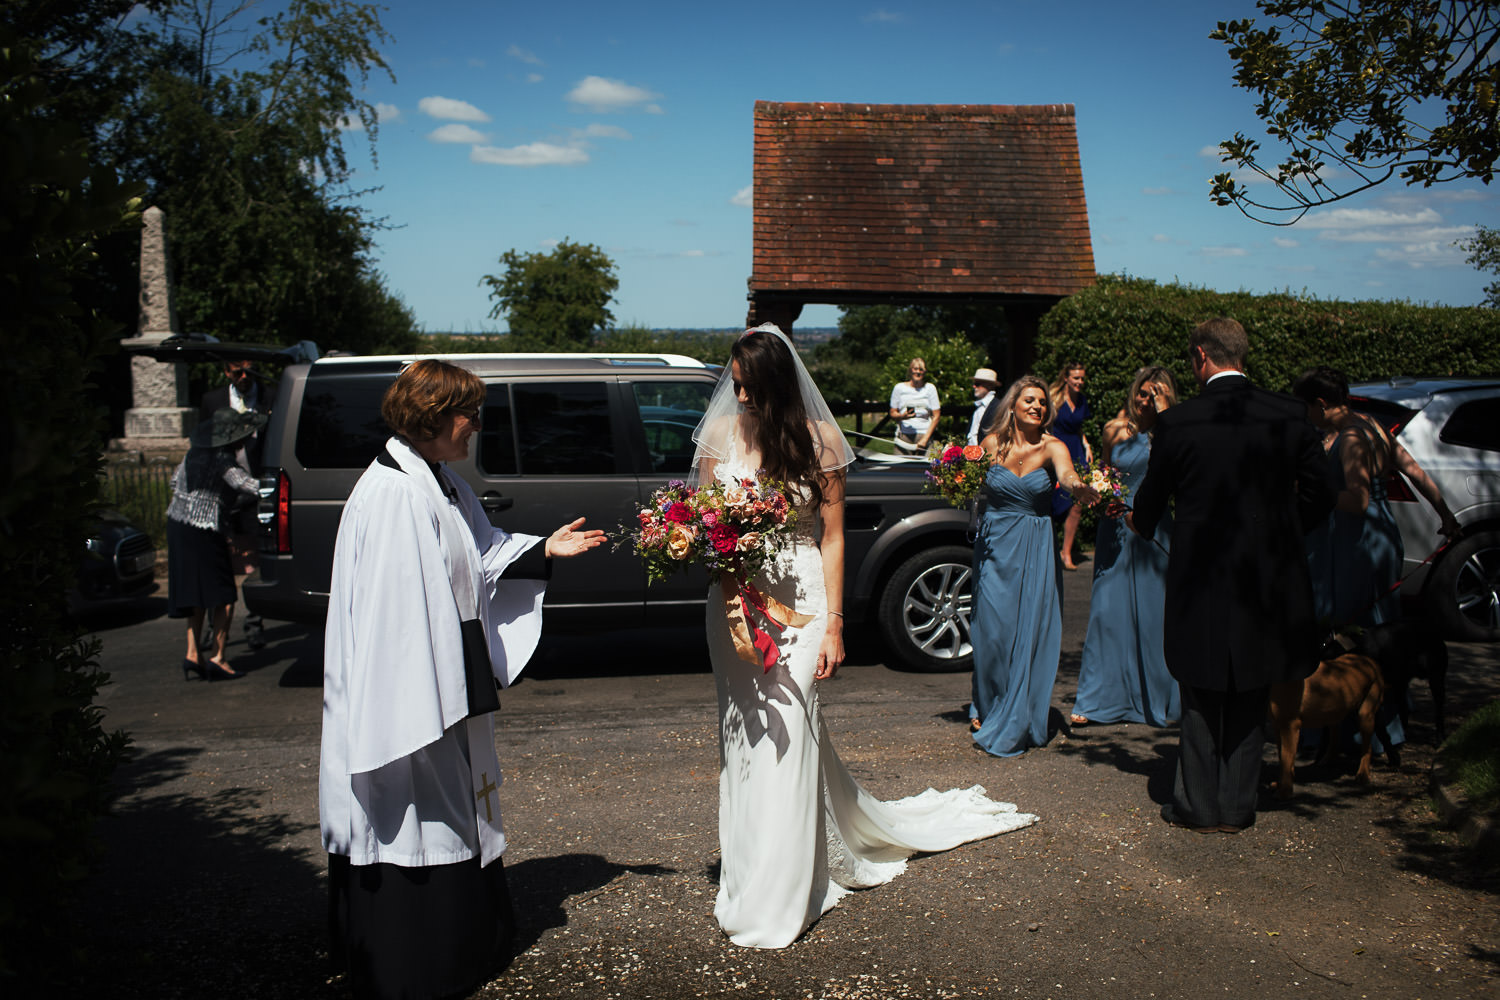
[[283, 515], [1397, 489], [1390, 416]]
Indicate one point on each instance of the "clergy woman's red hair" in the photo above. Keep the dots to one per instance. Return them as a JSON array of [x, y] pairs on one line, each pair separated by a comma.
[[425, 393]]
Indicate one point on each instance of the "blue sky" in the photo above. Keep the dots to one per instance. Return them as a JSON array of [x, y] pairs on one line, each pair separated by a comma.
[[629, 126]]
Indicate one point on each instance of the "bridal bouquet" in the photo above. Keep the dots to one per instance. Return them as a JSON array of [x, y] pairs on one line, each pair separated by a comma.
[[958, 473], [732, 530], [726, 528]]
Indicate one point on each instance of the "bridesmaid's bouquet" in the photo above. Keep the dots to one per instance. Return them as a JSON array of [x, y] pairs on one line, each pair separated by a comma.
[[1107, 482], [958, 473], [726, 528]]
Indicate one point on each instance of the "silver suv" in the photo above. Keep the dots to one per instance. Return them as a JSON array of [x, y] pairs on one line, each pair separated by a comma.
[[1451, 426], [566, 436]]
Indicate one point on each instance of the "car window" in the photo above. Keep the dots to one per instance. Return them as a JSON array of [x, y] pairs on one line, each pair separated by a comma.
[[669, 413], [340, 425], [563, 429], [497, 434], [1475, 424]]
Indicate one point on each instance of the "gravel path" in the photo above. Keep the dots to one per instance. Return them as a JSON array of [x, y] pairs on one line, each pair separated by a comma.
[[214, 882]]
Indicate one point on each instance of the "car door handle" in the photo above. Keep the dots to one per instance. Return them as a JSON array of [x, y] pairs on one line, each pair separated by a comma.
[[493, 503]]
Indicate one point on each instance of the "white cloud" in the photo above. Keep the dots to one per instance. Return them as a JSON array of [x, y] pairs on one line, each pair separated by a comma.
[[1420, 253], [1284, 243], [693, 253], [534, 154], [1359, 218], [383, 113], [744, 196], [1219, 252], [601, 132], [1161, 238], [449, 109], [1411, 235], [883, 17], [457, 132], [600, 95], [534, 78], [516, 52], [476, 63]]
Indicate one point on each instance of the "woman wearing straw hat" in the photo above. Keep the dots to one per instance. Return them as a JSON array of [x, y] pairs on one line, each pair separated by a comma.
[[200, 577]]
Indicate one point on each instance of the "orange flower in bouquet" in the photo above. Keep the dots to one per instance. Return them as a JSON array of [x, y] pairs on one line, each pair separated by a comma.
[[957, 474]]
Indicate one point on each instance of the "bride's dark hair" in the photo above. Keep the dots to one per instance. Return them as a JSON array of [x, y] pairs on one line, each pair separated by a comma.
[[769, 375]]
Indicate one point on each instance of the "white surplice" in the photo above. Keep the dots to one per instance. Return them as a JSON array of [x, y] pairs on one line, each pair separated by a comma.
[[406, 777]]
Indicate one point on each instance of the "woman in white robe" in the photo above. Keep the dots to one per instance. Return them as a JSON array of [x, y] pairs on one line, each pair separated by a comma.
[[429, 606]]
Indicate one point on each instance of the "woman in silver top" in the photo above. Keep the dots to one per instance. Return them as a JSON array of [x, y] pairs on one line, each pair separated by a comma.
[[200, 577]]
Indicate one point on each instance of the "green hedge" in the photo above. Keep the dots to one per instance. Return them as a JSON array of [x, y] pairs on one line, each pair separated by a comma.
[[55, 756], [1123, 323]]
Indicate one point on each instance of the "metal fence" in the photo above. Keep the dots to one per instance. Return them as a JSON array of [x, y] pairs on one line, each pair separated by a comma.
[[141, 493]]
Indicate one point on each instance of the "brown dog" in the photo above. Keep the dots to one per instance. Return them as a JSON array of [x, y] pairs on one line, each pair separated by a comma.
[[1346, 684]]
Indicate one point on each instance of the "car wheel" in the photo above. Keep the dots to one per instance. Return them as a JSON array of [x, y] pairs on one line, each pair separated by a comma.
[[1464, 589], [924, 610]]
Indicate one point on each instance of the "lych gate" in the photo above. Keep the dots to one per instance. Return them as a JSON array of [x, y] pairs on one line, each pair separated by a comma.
[[908, 203]]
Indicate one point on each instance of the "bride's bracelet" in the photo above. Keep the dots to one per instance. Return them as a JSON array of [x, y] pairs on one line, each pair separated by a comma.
[[839, 613]]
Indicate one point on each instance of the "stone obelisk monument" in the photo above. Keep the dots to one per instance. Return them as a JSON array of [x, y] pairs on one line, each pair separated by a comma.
[[160, 418]]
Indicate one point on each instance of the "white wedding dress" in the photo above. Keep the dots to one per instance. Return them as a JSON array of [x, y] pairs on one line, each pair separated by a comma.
[[796, 832]]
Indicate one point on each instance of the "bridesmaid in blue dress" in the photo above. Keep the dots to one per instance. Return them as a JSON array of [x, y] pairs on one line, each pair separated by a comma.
[[1016, 621], [1124, 674], [1356, 555], [1070, 409]]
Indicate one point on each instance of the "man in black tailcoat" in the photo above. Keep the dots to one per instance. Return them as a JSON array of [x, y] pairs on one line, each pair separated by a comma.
[[1247, 472]]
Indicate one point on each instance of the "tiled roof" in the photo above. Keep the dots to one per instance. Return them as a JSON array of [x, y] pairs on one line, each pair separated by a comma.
[[919, 199]]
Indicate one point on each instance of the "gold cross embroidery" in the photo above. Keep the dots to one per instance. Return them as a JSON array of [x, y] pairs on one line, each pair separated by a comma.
[[485, 790]]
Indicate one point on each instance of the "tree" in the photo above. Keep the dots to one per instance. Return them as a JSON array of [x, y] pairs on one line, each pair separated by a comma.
[[55, 756], [1359, 92], [1484, 254], [237, 125], [557, 299], [850, 365]]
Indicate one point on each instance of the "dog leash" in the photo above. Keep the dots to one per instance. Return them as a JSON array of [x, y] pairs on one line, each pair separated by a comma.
[[1447, 544]]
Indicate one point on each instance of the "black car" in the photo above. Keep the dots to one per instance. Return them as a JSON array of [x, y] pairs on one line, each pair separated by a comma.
[[119, 560]]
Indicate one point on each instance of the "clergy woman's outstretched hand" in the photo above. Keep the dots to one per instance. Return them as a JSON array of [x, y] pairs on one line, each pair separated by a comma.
[[569, 541]]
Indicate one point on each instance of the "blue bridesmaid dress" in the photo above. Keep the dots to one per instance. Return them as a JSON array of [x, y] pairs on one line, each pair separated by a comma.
[[1016, 621], [1354, 559], [1124, 674]]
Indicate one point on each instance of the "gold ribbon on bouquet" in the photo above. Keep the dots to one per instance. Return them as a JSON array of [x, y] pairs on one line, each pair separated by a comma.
[[752, 643]]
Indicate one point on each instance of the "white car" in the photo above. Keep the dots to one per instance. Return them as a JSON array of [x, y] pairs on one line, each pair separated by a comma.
[[1451, 426]]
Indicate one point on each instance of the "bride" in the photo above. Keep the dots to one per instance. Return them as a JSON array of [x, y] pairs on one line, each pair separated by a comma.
[[796, 832]]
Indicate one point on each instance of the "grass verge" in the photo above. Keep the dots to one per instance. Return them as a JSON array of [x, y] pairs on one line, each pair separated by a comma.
[[1472, 758]]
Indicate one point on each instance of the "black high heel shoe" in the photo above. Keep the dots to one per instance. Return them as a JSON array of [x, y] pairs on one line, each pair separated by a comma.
[[189, 668], [219, 672]]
